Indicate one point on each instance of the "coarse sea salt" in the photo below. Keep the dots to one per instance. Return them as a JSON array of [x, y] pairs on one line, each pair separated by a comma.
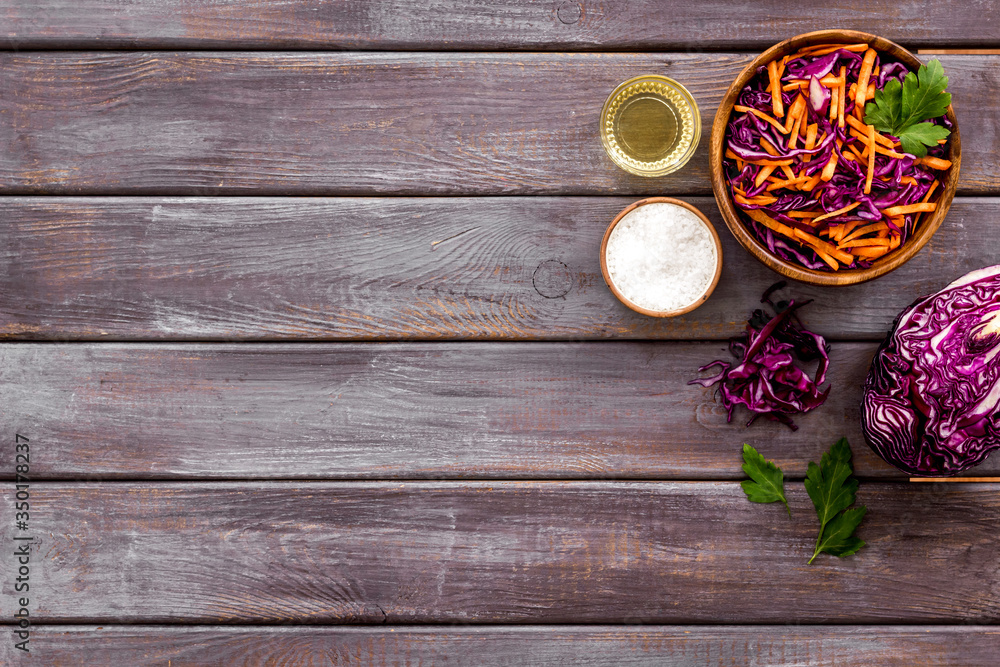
[[661, 257]]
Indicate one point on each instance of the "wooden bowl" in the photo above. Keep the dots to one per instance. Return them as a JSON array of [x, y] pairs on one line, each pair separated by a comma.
[[729, 210], [660, 313]]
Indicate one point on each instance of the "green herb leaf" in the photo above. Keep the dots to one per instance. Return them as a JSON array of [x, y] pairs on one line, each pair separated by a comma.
[[900, 109], [838, 538], [832, 490], [884, 111], [916, 139], [768, 482], [924, 95]]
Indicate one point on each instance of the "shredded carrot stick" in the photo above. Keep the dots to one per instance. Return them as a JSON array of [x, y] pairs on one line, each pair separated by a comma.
[[839, 211], [865, 243], [781, 67], [771, 223], [924, 207], [831, 165], [843, 95], [834, 104], [861, 231], [934, 162], [830, 80], [762, 116], [845, 229], [811, 183], [908, 180], [871, 252], [853, 48], [793, 138], [871, 160], [819, 244], [784, 184], [810, 142], [804, 214], [754, 201], [794, 111], [811, 131], [829, 261], [862, 128], [863, 76], [731, 155], [795, 85], [857, 153], [771, 163], [762, 175], [885, 151], [775, 88], [926, 197], [768, 147], [895, 242], [787, 171], [930, 190]]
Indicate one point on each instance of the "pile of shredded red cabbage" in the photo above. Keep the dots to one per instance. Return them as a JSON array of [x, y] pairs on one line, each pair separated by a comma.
[[767, 380], [745, 131]]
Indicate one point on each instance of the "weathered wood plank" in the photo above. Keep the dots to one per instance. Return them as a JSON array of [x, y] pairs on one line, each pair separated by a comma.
[[511, 268], [514, 552], [450, 24], [391, 411], [590, 646], [352, 124]]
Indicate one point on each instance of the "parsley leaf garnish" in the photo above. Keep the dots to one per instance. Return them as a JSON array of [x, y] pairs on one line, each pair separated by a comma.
[[766, 483], [832, 490], [900, 109]]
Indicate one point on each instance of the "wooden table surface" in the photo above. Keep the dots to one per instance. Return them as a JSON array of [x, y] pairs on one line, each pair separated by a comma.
[[303, 317]]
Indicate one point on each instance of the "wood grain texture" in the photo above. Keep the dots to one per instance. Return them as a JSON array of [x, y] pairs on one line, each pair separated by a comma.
[[510, 552], [397, 411], [501, 268], [358, 124], [592, 646], [479, 24]]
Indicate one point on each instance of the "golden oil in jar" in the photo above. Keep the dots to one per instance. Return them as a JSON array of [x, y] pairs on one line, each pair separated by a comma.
[[650, 125]]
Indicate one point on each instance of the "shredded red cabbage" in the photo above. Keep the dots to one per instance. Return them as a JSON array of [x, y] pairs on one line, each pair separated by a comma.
[[743, 139], [767, 380]]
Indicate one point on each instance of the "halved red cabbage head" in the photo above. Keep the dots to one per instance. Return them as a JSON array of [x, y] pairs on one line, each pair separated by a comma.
[[931, 405]]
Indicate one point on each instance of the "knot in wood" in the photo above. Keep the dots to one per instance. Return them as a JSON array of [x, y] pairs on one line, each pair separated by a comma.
[[552, 279], [569, 12]]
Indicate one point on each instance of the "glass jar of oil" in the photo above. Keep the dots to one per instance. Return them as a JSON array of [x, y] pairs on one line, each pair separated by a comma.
[[650, 125]]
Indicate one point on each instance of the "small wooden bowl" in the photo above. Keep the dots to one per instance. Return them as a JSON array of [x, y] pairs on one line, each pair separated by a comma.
[[882, 265], [660, 313]]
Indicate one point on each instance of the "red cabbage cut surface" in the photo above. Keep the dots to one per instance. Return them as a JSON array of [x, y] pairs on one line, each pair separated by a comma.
[[767, 381], [931, 405]]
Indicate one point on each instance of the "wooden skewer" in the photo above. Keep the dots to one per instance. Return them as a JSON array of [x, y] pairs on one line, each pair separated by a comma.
[[955, 479], [959, 52]]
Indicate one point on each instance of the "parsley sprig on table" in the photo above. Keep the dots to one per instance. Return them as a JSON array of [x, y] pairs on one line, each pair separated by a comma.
[[831, 487], [766, 483], [899, 109]]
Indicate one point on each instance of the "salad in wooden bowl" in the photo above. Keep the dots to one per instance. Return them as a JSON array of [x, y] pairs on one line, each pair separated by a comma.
[[835, 156]]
